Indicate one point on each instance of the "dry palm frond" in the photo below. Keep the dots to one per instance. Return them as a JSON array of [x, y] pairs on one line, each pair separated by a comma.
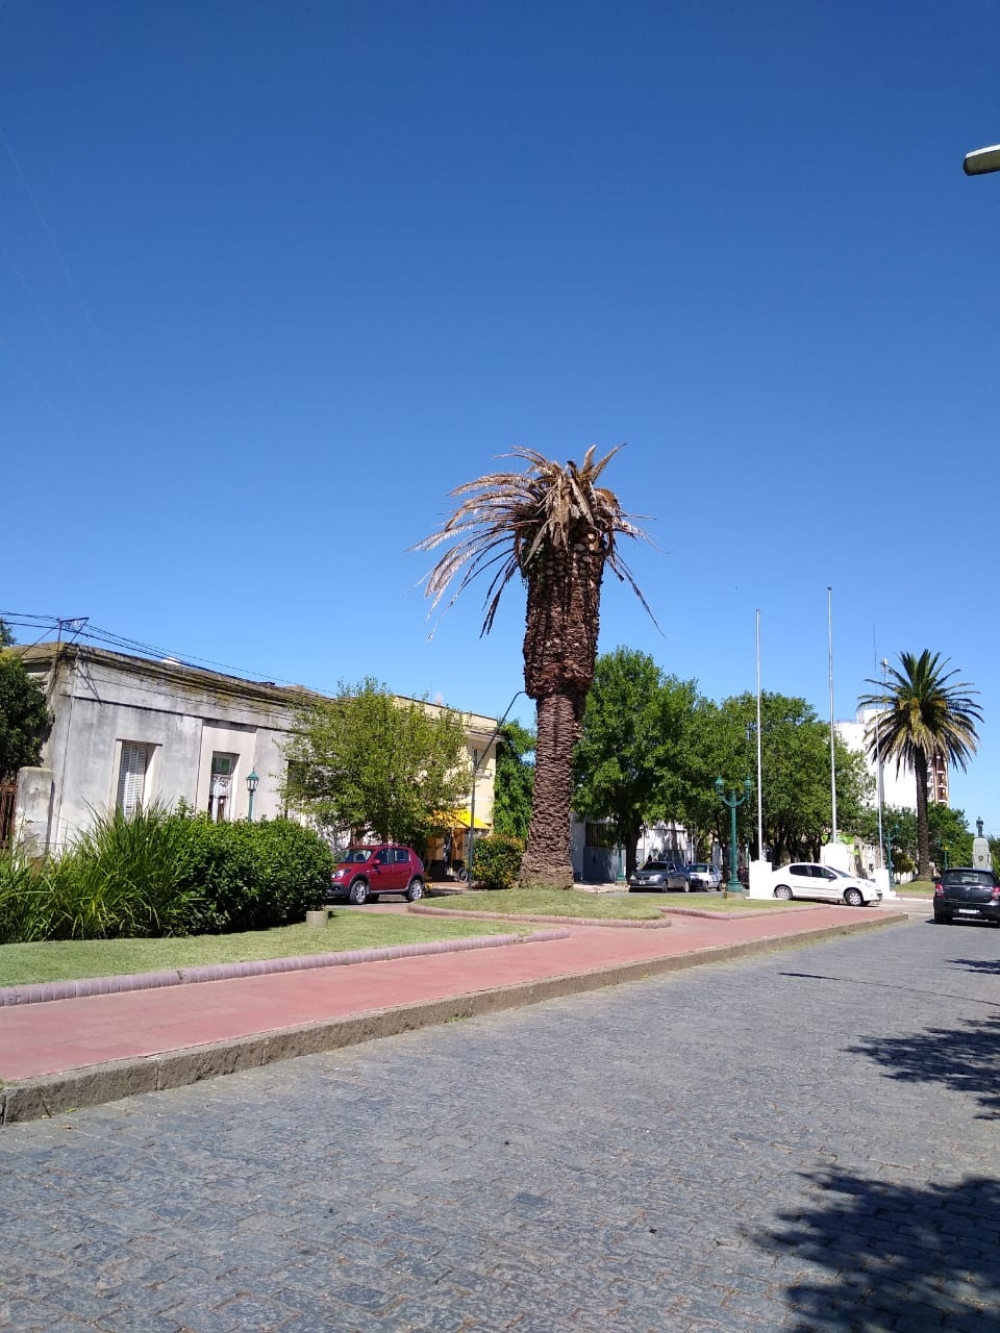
[[511, 518]]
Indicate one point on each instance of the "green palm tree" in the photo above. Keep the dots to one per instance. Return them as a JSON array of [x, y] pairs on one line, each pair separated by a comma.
[[921, 717], [557, 529]]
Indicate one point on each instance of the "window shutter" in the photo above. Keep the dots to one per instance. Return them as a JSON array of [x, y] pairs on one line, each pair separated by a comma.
[[132, 776]]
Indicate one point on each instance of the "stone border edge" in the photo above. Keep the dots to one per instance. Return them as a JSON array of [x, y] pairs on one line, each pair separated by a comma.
[[44, 991], [59, 1094]]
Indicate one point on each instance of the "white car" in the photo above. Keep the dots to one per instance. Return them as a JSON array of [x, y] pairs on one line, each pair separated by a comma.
[[703, 876], [806, 879]]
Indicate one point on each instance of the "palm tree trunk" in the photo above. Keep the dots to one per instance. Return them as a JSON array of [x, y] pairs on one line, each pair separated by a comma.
[[547, 861], [923, 832]]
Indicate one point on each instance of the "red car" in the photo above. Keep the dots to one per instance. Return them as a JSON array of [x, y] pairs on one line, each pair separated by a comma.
[[384, 867]]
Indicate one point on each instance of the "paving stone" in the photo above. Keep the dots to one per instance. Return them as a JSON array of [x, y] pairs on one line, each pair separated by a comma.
[[773, 1143]]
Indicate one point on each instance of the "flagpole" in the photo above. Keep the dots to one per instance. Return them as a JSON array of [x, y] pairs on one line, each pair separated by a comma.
[[760, 788], [833, 766]]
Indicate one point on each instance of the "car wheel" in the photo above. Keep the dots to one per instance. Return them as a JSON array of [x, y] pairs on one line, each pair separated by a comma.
[[359, 892], [854, 898], [416, 889], [783, 892], [942, 920]]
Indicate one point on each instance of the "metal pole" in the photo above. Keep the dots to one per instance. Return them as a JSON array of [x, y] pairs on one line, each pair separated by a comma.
[[833, 765], [760, 782]]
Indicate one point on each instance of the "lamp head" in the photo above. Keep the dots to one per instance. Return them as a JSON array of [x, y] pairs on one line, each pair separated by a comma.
[[252, 781], [720, 786]]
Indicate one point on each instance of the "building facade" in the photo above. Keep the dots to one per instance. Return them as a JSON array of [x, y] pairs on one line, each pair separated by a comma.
[[129, 731]]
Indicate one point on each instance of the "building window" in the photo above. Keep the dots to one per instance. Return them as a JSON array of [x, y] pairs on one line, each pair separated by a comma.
[[132, 776], [220, 792]]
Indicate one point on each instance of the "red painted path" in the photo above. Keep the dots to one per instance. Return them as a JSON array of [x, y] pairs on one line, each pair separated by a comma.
[[64, 1035]]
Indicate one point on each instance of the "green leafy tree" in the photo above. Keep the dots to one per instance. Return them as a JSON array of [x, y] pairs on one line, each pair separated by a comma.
[[556, 529], [923, 716], [795, 763], [366, 760], [513, 780], [625, 763], [25, 720]]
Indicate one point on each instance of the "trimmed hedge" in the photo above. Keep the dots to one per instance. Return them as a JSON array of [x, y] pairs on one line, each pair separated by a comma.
[[162, 873]]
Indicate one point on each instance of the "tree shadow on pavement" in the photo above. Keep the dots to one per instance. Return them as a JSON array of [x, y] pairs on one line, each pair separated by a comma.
[[986, 965], [899, 1257], [965, 1059]]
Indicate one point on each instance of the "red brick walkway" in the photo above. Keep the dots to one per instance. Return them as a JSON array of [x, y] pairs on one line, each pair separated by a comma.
[[48, 1039]]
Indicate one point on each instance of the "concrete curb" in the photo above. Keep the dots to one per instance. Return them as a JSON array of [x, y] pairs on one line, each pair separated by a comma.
[[43, 991], [56, 1094], [634, 924]]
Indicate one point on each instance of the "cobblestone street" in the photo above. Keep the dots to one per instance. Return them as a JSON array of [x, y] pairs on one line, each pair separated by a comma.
[[804, 1140]]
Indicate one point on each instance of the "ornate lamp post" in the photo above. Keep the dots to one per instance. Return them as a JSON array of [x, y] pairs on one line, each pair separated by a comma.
[[734, 801], [252, 781], [888, 852]]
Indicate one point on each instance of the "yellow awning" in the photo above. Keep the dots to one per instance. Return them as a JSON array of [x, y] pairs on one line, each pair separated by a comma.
[[460, 819]]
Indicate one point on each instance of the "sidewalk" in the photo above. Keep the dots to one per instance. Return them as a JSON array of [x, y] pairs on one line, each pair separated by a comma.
[[71, 1053]]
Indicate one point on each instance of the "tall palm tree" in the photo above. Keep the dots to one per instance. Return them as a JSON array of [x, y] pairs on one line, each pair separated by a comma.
[[922, 718], [558, 529]]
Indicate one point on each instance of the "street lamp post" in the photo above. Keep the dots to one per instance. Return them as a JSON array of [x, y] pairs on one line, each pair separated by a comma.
[[888, 851], [252, 781], [734, 801]]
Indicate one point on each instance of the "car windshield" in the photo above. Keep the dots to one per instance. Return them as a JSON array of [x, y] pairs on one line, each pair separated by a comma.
[[353, 855], [702, 868], [656, 865]]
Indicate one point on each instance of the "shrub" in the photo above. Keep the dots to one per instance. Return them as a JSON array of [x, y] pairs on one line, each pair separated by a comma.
[[124, 877], [160, 873], [252, 876], [496, 861], [24, 912]]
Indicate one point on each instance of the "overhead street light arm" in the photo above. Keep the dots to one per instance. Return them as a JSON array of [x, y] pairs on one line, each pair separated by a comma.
[[983, 160]]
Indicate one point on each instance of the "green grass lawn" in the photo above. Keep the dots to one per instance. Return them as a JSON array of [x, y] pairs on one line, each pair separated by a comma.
[[604, 906], [71, 960], [917, 888]]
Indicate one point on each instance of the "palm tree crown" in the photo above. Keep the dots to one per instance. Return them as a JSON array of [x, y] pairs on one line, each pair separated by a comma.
[[557, 528], [921, 716], [517, 517]]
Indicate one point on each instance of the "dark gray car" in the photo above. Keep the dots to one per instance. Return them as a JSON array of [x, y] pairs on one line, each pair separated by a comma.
[[659, 877], [968, 894]]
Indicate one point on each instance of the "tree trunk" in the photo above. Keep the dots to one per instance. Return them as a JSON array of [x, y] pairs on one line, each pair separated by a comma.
[[923, 833], [560, 648], [631, 845], [547, 861]]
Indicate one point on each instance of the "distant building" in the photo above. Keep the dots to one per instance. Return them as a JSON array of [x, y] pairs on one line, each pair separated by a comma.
[[898, 789], [132, 730]]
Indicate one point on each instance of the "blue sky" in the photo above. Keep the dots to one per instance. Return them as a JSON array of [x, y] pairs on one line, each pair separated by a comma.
[[275, 278]]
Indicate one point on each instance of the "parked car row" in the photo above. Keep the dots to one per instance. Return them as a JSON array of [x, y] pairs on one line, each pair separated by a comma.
[[665, 876]]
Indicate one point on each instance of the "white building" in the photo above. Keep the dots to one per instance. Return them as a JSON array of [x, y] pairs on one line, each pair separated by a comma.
[[130, 730]]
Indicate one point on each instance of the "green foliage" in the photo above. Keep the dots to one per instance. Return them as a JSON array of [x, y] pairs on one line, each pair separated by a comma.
[[922, 714], [947, 828], [25, 720], [628, 763], [513, 781], [795, 759], [156, 873], [252, 876], [23, 895], [496, 861], [365, 760]]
